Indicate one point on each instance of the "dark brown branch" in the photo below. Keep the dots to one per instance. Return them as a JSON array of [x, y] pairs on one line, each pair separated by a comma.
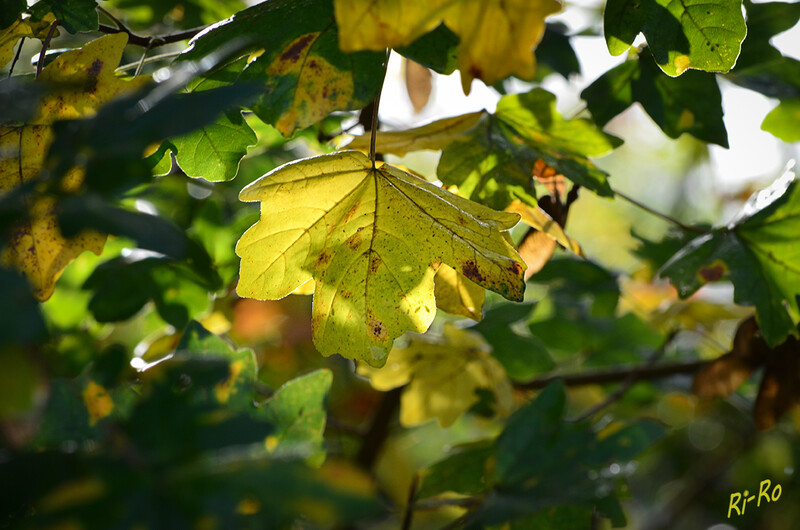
[[16, 57], [616, 375], [45, 45], [152, 41], [409, 511], [379, 429]]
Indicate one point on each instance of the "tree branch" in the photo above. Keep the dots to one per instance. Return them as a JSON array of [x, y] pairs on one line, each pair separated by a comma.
[[152, 41], [616, 375], [45, 45], [682, 226], [379, 430]]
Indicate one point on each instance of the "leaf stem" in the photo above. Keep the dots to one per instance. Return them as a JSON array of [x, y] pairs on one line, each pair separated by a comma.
[[374, 128], [16, 57], [682, 226], [45, 45]]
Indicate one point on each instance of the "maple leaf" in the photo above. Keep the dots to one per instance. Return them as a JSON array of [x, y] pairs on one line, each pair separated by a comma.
[[36, 246], [497, 38], [442, 376], [373, 239]]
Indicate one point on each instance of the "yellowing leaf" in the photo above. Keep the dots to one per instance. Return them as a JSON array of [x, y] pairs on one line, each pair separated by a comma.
[[37, 246], [434, 135], [20, 28], [497, 36], [442, 376], [372, 239], [457, 294], [538, 219]]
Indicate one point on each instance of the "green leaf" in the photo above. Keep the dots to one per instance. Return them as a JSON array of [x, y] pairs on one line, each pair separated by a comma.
[[10, 10], [437, 50], [213, 151], [355, 230], [758, 253], [463, 471], [784, 121], [555, 53], [523, 356], [21, 319], [73, 15], [764, 21], [181, 13], [298, 412], [304, 75], [697, 34], [691, 103], [121, 287]]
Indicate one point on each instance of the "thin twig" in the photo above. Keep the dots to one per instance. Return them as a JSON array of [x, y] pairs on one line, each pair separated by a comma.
[[409, 511], [112, 18], [16, 57], [626, 385], [152, 41], [151, 59], [664, 216], [141, 63], [45, 45], [616, 375]]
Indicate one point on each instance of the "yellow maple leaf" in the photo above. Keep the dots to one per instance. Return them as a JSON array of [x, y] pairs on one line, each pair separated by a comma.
[[10, 35], [36, 245], [442, 376], [457, 294], [497, 36], [372, 239]]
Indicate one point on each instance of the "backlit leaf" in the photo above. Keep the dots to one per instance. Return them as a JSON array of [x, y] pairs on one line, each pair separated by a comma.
[[373, 240], [304, 74], [457, 294], [691, 103], [442, 376], [541, 221], [784, 121], [497, 38], [38, 248], [10, 10], [697, 34], [758, 253], [17, 28]]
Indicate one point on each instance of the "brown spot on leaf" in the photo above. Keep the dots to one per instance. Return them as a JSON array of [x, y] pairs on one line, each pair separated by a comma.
[[470, 270], [376, 328], [323, 259], [93, 72], [515, 268], [295, 50], [713, 272], [354, 241], [476, 72], [346, 294], [374, 263], [351, 212]]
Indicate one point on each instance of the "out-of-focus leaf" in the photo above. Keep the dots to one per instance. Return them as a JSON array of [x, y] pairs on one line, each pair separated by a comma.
[[784, 121], [757, 252], [435, 135], [462, 471], [437, 50], [122, 286], [692, 34], [356, 231], [304, 74], [181, 13], [457, 294], [555, 52], [21, 319], [22, 383], [726, 373], [73, 15], [38, 248], [691, 103], [418, 84], [297, 411], [764, 21], [19, 100], [540, 220], [496, 39], [522, 355], [9, 11], [442, 377]]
